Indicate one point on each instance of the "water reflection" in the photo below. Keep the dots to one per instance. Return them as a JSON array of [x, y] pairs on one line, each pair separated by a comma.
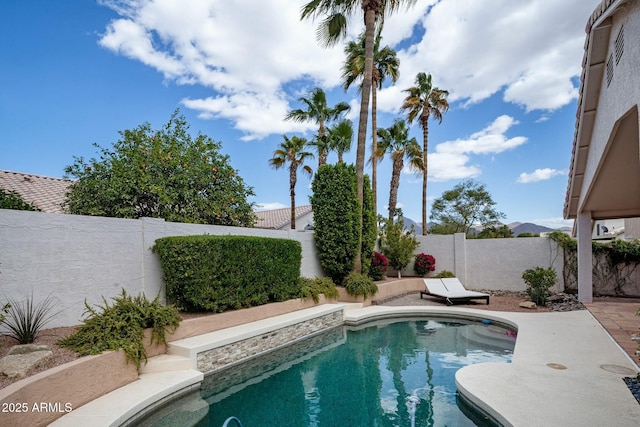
[[359, 377]]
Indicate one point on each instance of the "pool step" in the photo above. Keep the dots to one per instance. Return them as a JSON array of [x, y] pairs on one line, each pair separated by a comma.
[[166, 363]]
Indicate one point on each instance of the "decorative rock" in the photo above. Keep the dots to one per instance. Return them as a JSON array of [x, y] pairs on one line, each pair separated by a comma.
[[528, 304], [565, 302], [22, 364], [27, 348]]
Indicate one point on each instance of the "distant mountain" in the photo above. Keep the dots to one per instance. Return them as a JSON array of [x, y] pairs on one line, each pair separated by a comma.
[[528, 227], [516, 227]]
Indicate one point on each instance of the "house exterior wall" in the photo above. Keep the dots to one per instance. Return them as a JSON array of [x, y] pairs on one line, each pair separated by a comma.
[[301, 222], [81, 258], [621, 95]]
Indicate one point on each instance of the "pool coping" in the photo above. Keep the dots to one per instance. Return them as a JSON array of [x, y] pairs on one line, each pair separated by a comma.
[[524, 392]]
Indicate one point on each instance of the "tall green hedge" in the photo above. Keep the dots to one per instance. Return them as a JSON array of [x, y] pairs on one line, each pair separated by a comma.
[[218, 273], [335, 213]]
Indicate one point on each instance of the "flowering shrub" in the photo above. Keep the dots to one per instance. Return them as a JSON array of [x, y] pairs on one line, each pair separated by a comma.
[[378, 267], [424, 264]]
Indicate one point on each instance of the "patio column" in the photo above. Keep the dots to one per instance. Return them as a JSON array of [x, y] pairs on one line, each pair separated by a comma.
[[585, 274]]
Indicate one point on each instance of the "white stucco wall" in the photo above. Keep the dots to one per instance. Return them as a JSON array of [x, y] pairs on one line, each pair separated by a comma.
[[499, 263], [493, 264], [76, 258], [622, 93], [71, 258]]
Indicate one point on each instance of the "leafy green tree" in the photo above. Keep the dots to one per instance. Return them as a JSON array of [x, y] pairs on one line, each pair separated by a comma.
[[385, 64], [495, 232], [395, 141], [333, 28], [161, 173], [12, 200], [424, 101], [318, 111], [335, 214], [467, 204], [292, 151], [397, 244], [443, 228]]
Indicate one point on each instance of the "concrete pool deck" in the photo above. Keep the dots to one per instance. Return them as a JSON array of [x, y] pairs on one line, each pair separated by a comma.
[[534, 390]]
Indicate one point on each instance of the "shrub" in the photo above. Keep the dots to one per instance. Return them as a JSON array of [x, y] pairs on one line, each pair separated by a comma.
[[122, 325], [378, 267], [444, 274], [26, 319], [335, 214], [312, 288], [359, 284], [539, 280], [12, 200], [424, 263], [218, 273], [397, 244]]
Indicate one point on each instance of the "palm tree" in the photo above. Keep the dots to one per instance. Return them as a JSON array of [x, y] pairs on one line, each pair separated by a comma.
[[424, 101], [340, 137], [395, 141], [385, 64], [319, 112], [292, 151], [333, 28]]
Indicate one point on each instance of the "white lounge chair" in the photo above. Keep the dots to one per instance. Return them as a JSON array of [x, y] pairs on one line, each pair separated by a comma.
[[451, 289]]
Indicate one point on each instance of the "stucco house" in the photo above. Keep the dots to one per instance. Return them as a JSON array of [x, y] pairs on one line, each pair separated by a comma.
[[604, 175]]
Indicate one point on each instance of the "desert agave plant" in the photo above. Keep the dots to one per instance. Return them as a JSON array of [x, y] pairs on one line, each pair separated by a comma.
[[25, 319]]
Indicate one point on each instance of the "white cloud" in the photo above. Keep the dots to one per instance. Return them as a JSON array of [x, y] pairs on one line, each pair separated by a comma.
[[476, 48], [249, 52], [450, 159], [269, 206], [539, 175]]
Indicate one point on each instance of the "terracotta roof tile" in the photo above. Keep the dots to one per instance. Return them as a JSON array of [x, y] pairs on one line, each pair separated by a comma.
[[43, 192], [278, 218]]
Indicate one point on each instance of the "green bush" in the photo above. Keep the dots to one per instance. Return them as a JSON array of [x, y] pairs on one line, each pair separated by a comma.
[[25, 320], [335, 214], [12, 200], [539, 281], [122, 325], [218, 273], [444, 274], [312, 288], [360, 284]]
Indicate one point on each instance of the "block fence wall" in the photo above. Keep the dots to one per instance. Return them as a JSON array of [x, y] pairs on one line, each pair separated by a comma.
[[81, 258]]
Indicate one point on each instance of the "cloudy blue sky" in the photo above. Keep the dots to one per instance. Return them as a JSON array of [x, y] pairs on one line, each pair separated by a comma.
[[75, 72]]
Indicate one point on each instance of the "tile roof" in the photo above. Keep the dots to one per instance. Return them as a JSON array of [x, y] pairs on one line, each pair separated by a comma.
[[278, 218], [43, 192]]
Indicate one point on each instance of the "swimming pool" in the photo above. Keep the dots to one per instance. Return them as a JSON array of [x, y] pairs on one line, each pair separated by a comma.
[[393, 372]]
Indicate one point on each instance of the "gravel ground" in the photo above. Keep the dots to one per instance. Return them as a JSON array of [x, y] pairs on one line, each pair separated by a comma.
[[48, 337]]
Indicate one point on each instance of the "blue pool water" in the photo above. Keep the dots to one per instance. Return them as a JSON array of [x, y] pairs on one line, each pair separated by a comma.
[[386, 373]]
